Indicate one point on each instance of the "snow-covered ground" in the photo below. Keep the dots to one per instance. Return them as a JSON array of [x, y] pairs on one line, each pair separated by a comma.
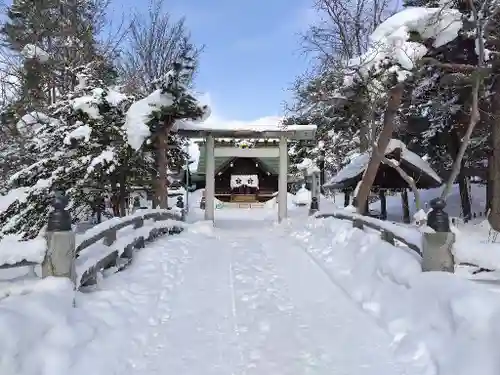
[[475, 243], [250, 296], [240, 298]]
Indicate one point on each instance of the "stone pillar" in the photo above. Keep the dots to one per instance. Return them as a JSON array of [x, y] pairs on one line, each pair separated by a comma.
[[209, 178], [59, 260], [283, 179], [437, 247]]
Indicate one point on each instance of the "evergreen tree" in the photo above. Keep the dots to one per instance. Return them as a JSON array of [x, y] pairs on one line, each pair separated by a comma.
[[171, 103], [82, 151]]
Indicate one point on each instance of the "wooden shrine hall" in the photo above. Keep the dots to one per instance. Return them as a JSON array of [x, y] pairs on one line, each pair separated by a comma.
[[245, 165], [243, 179]]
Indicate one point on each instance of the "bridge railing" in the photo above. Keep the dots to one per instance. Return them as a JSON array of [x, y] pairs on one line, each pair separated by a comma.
[[435, 249], [111, 244], [386, 229]]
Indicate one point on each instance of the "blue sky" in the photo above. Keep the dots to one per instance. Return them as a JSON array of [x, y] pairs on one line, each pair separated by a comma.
[[252, 51]]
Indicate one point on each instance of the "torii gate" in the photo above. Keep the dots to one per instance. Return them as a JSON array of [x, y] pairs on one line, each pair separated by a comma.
[[289, 132]]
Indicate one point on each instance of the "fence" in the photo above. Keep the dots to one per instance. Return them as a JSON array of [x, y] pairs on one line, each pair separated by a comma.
[[100, 248], [385, 234], [434, 247]]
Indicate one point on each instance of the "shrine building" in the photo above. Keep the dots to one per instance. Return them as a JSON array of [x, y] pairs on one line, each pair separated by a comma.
[[242, 179]]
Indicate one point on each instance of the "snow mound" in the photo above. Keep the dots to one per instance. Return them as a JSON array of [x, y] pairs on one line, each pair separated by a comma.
[[441, 322], [302, 197]]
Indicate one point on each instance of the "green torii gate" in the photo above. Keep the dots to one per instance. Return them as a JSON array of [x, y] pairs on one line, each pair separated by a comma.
[[210, 133]]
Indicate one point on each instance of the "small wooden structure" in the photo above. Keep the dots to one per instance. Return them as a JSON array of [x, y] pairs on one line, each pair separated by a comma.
[[387, 177]]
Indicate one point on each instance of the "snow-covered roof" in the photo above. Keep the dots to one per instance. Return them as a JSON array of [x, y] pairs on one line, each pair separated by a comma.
[[267, 127], [359, 163]]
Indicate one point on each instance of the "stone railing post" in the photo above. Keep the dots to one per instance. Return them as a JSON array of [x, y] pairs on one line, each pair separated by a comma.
[[437, 247], [314, 206], [59, 258], [180, 204]]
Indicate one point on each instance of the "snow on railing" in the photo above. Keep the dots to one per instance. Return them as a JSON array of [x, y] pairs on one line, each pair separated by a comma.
[[477, 256], [110, 244], [389, 232]]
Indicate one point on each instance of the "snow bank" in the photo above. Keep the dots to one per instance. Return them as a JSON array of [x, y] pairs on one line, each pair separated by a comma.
[[445, 324], [302, 197], [474, 241], [26, 319], [476, 244]]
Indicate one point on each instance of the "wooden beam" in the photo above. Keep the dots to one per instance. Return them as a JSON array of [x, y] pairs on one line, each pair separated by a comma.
[[229, 152]]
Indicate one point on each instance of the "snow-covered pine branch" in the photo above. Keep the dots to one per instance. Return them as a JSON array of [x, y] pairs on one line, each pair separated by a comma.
[[30, 51], [81, 149]]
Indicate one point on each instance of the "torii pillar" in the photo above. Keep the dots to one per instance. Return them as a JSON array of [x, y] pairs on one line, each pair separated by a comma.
[[283, 179], [209, 177]]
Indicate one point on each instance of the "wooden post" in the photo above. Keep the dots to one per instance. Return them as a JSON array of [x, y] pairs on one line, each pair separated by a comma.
[[59, 260], [283, 179], [406, 207], [383, 204], [347, 198], [209, 178]]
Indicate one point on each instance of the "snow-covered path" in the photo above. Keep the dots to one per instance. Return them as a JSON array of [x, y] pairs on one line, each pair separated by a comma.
[[230, 301]]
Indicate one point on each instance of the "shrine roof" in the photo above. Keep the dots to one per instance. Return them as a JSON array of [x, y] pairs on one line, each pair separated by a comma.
[[245, 131]]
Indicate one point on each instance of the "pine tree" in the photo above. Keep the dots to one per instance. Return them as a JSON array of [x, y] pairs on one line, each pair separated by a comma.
[[170, 103], [82, 151], [65, 32]]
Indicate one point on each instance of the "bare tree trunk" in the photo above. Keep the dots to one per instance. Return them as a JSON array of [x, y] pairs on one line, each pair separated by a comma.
[[463, 183], [154, 186], [406, 206], [494, 167], [474, 111], [161, 185], [474, 119], [395, 97]]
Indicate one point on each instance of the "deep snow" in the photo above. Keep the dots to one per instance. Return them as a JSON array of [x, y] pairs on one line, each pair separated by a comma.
[[224, 300], [249, 296]]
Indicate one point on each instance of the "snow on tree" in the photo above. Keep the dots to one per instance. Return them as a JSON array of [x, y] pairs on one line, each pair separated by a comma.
[[150, 120], [396, 47], [81, 149], [31, 51]]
